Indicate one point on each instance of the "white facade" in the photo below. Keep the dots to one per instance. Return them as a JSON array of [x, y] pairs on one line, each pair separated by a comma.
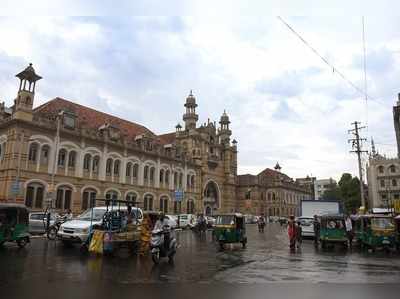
[[320, 186]]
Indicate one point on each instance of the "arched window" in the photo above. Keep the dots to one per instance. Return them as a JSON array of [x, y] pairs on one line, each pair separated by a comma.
[[62, 155], [381, 169], [71, 159], [148, 202], [164, 204], [392, 168], [95, 164], [63, 199], [135, 170], [190, 206], [180, 180], [88, 198], [146, 172], [161, 176], [188, 181], [33, 148], [128, 169], [112, 195], [131, 196], [167, 177], [34, 195], [192, 182], [44, 155], [152, 171], [86, 162], [116, 167], [394, 183], [175, 180], [109, 166]]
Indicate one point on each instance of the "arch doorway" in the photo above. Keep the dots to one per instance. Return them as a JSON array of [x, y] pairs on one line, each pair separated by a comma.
[[211, 197]]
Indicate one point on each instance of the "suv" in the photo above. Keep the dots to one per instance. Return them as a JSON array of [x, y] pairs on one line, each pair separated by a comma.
[[77, 230], [187, 221], [307, 226]]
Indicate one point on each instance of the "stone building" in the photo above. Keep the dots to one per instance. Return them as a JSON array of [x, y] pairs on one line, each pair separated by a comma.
[[271, 192], [67, 155]]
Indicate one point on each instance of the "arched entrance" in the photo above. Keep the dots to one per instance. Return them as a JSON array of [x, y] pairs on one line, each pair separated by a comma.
[[211, 197]]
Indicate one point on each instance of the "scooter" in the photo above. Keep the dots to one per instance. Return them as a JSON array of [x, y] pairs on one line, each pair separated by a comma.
[[162, 244], [52, 230]]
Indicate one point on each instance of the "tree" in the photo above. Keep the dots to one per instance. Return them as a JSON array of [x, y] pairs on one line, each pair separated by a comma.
[[347, 191]]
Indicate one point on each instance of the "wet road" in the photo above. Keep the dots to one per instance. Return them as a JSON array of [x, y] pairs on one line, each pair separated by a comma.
[[266, 259]]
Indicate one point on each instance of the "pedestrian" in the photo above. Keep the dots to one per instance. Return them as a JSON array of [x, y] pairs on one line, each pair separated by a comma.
[[317, 227], [299, 231], [69, 215], [292, 233], [349, 230]]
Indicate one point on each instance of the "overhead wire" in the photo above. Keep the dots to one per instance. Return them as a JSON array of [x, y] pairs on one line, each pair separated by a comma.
[[331, 66]]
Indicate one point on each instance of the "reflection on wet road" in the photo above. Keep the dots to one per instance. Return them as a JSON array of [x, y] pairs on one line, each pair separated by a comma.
[[266, 259]]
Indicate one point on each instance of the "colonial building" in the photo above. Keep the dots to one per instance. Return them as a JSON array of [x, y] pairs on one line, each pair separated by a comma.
[[67, 155], [383, 174], [271, 192]]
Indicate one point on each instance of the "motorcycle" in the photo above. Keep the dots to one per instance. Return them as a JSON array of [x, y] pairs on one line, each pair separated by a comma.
[[162, 244], [52, 230]]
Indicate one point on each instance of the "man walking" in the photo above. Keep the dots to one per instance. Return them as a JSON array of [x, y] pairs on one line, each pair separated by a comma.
[[317, 227], [349, 230]]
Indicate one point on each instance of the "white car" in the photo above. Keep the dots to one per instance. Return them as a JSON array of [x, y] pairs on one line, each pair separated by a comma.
[[187, 220], [38, 222], [307, 226], [172, 220], [77, 230]]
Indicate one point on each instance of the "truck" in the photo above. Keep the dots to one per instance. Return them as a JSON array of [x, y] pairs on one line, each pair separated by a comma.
[[309, 208]]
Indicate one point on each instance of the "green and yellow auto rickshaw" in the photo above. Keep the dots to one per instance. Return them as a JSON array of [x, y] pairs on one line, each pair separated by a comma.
[[333, 230], [230, 228], [375, 231], [14, 224]]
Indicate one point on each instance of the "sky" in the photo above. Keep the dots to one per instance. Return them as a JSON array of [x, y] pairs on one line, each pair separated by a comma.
[[284, 103]]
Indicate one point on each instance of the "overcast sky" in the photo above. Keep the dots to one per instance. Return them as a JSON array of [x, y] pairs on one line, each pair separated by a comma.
[[284, 103]]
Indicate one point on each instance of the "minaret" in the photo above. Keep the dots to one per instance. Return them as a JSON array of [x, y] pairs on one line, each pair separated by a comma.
[[26, 92], [224, 131], [373, 151], [396, 121], [190, 117], [278, 167]]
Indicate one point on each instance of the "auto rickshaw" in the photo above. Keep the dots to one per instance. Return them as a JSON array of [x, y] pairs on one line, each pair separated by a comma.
[[333, 230], [397, 227], [230, 228], [375, 231], [14, 224]]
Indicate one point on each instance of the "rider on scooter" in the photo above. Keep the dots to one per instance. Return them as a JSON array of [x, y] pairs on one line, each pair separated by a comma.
[[160, 224]]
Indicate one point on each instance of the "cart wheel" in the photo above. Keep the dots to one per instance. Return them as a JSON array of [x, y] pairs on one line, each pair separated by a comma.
[[22, 242], [52, 233]]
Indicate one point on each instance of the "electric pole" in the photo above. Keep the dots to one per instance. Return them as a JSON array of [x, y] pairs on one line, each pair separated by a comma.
[[357, 148]]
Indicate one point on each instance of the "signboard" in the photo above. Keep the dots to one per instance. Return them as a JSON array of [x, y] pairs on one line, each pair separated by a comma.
[[16, 187], [179, 194]]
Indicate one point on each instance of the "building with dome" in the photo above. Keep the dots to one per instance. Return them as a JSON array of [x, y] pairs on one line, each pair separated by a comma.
[[68, 155]]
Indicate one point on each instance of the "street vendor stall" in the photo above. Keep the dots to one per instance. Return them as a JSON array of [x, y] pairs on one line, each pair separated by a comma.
[[120, 228]]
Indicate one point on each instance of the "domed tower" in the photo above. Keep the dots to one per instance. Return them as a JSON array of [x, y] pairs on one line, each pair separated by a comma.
[[26, 92], [224, 131], [190, 117]]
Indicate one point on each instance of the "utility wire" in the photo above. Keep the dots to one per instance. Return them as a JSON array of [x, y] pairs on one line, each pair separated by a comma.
[[334, 69]]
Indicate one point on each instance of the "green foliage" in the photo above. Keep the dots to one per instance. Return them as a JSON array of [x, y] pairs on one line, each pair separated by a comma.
[[347, 191]]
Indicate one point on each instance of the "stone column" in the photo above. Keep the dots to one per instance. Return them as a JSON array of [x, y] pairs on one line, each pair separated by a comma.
[[157, 174]]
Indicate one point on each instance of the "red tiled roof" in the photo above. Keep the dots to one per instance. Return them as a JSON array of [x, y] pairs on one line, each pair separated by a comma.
[[268, 172], [167, 138], [91, 118]]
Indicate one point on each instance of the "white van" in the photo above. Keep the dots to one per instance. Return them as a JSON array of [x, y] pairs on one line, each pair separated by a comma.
[[187, 220], [307, 226], [77, 229]]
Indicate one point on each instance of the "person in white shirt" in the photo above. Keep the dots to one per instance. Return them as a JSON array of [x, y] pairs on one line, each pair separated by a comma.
[[349, 230]]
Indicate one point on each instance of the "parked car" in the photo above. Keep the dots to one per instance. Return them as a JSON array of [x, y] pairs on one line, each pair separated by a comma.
[[172, 220], [307, 226], [77, 230], [38, 221], [187, 221]]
